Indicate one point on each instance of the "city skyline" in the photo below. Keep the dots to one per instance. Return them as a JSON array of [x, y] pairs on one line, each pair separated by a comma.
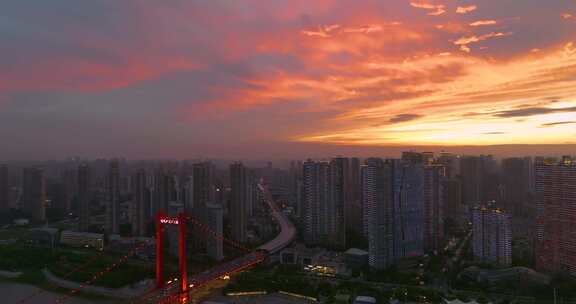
[[286, 79]]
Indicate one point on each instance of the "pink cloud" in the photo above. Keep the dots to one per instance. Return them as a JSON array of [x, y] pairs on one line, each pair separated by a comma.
[[463, 42], [483, 23], [466, 9], [435, 9]]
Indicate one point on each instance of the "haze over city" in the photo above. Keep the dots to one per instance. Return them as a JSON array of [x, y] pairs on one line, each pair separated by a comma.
[[288, 151], [280, 79]]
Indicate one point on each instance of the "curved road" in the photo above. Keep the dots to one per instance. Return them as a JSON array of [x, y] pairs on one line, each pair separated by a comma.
[[287, 229]]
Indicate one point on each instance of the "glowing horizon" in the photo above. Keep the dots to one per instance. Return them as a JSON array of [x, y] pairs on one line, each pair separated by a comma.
[[194, 76]]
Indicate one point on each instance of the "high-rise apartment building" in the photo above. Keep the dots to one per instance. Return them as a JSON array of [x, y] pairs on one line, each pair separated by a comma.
[[491, 236], [450, 162], [338, 187], [556, 220], [378, 212], [214, 246], [324, 202], [84, 196], [162, 190], [33, 194], [202, 185], [4, 189], [394, 196], [140, 214], [454, 210], [434, 199], [240, 187], [408, 208], [353, 213], [471, 170], [517, 180], [113, 203]]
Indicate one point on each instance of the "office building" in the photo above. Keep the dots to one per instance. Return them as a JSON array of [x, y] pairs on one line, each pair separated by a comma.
[[491, 236], [33, 194]]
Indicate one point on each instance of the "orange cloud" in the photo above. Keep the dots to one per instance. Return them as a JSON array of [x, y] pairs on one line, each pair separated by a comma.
[[483, 23], [466, 9], [568, 16], [463, 42], [436, 9], [469, 108]]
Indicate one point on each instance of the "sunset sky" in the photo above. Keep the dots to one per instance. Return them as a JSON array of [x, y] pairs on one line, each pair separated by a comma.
[[187, 78]]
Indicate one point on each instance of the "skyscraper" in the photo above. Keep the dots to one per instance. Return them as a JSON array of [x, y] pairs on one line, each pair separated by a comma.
[[315, 199], [454, 211], [324, 202], [516, 179], [555, 249], [161, 191], [70, 181], [214, 246], [338, 187], [113, 206], [4, 189], [202, 185], [472, 180], [378, 212], [139, 213], [354, 207], [33, 194], [84, 196], [408, 208], [239, 184], [434, 199], [491, 236]]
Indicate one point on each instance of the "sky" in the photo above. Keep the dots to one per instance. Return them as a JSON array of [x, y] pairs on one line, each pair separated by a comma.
[[253, 78]]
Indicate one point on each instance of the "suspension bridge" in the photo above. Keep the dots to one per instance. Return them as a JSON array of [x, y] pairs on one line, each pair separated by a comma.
[[179, 290]]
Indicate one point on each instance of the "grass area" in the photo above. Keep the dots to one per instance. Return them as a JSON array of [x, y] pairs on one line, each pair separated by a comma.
[[30, 260], [7, 234]]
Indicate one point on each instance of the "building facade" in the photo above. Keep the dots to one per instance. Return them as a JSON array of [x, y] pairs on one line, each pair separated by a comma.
[[491, 236], [556, 246], [239, 191], [33, 194], [84, 196]]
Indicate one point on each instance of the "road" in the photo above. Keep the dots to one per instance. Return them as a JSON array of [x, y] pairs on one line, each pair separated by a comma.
[[238, 265]]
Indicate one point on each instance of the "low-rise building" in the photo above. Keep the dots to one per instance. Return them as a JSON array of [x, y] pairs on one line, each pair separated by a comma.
[[356, 258], [364, 300], [82, 239]]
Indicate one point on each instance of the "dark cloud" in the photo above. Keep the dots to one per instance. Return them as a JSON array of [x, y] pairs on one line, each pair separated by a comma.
[[532, 112], [404, 118], [558, 123], [494, 133]]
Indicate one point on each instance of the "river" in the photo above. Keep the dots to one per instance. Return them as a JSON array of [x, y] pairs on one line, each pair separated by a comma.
[[12, 293]]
